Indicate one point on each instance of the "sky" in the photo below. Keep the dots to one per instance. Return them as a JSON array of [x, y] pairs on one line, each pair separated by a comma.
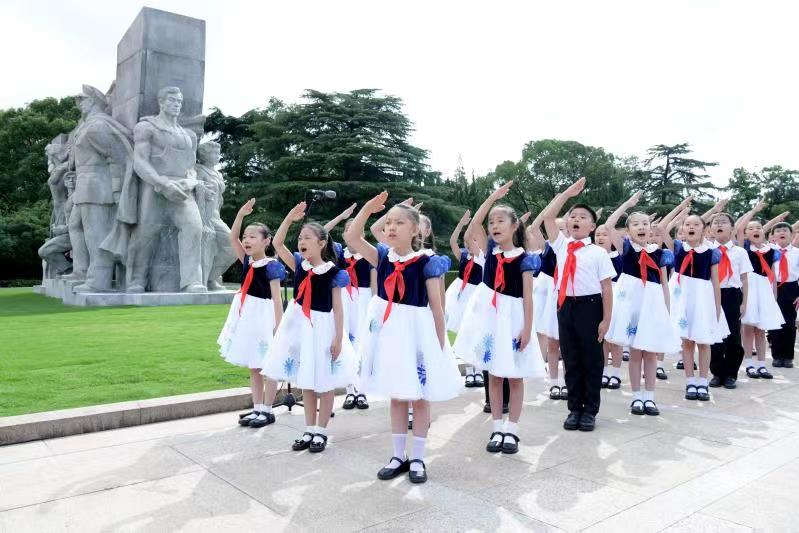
[[479, 79]]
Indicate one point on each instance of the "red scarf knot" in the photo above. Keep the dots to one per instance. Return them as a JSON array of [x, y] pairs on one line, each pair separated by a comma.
[[569, 269], [467, 273], [725, 267], [395, 282], [645, 262], [688, 260], [304, 293], [351, 262]]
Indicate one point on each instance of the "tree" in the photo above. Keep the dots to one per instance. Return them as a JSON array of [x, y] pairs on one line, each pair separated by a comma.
[[745, 189], [781, 190], [670, 176]]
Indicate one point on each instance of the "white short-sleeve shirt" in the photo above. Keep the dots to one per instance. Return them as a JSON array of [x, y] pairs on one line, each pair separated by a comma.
[[739, 260], [593, 266], [792, 252]]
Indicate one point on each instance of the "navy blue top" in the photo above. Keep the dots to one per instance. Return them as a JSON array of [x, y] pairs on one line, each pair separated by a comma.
[[362, 267], [703, 261], [771, 256], [262, 275], [415, 276], [617, 263], [629, 259], [549, 261], [476, 275], [524, 262], [321, 285]]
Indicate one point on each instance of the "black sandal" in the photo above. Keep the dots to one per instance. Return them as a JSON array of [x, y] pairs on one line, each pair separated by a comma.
[[605, 381], [469, 381], [302, 444], [564, 393], [387, 473], [360, 402], [752, 373], [349, 402], [554, 392], [660, 373], [702, 396], [414, 476], [763, 373], [258, 422], [650, 408], [494, 446], [690, 394], [613, 385], [637, 407], [680, 365], [478, 381], [317, 447], [510, 447], [246, 418]]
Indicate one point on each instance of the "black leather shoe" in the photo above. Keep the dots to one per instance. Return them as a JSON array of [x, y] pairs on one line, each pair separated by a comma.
[[702, 394], [787, 363], [494, 446], [587, 422], [680, 365], [510, 447], [729, 383], [505, 409], [572, 421], [650, 408], [487, 408], [349, 402], [715, 381], [360, 402], [301, 444], [637, 407], [261, 421], [777, 363], [554, 392], [690, 392], [762, 372], [387, 473], [317, 447], [417, 477], [661, 373]]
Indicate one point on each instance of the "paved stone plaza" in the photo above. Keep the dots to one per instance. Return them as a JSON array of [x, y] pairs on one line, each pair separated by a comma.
[[729, 465]]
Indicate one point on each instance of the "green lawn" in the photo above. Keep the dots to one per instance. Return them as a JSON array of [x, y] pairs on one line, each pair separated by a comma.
[[54, 356]]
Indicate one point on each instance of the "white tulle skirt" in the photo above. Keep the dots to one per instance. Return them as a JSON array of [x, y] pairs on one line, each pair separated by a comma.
[[489, 337], [456, 301], [355, 307], [641, 318], [762, 310], [693, 310], [300, 352], [244, 340], [545, 305], [402, 358]]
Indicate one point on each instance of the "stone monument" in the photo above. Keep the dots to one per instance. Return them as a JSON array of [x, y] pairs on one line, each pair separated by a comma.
[[140, 226]]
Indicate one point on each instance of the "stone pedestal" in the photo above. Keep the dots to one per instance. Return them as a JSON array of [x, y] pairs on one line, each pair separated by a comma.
[[64, 291], [160, 49]]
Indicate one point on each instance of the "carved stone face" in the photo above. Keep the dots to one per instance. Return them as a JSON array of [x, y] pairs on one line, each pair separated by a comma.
[[85, 105], [171, 104]]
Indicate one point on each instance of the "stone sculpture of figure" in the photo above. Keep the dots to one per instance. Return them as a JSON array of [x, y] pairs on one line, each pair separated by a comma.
[[218, 255], [101, 155], [62, 184], [164, 159]]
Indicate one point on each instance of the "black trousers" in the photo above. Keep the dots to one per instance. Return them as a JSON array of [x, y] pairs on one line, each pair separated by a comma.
[[783, 339], [583, 360], [726, 356], [505, 389]]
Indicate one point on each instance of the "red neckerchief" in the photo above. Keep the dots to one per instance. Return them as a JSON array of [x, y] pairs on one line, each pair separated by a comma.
[[689, 260], [499, 276], [764, 265], [644, 262], [783, 266], [725, 267], [467, 272], [304, 292], [396, 282], [351, 262], [246, 286], [569, 269]]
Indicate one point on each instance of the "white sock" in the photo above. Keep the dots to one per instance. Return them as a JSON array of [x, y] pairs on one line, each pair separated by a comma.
[[511, 427], [690, 381], [470, 371], [614, 372], [761, 364], [561, 383], [497, 429], [252, 416], [702, 382], [417, 452], [636, 395], [319, 431], [266, 409], [649, 396], [351, 389], [398, 442], [748, 362], [311, 430]]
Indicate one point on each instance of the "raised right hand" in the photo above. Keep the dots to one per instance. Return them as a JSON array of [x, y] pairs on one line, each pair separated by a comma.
[[246, 209], [378, 203]]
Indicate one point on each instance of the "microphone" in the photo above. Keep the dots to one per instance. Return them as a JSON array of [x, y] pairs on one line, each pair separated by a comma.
[[318, 194]]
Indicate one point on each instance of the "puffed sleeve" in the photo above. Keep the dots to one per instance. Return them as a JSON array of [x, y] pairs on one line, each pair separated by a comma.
[[677, 246], [666, 259], [436, 267], [448, 260], [531, 263], [340, 280], [297, 261], [339, 250], [382, 252], [715, 256], [275, 270], [777, 255]]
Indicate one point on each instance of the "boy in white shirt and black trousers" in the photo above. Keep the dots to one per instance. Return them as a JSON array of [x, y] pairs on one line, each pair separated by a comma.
[[787, 274], [585, 302], [726, 356]]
